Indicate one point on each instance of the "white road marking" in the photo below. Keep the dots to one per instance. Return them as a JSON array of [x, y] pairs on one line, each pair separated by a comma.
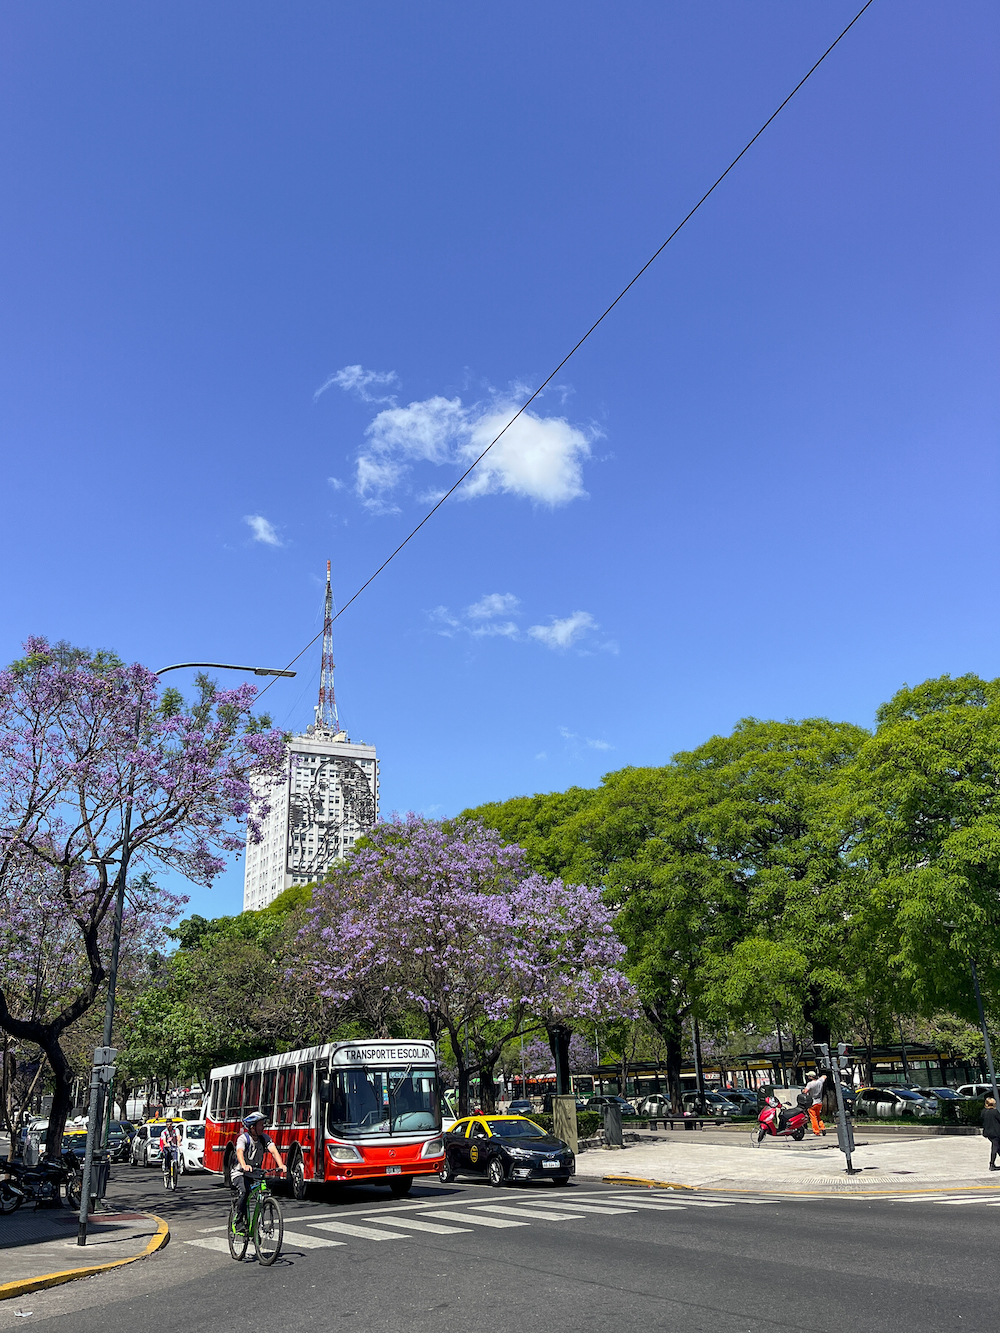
[[525, 1212], [306, 1241], [415, 1224], [656, 1207], [476, 1218], [612, 1211], [211, 1243], [366, 1233]]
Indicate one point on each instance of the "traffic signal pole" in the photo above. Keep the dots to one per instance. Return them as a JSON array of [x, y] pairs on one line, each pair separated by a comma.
[[101, 1074], [845, 1130]]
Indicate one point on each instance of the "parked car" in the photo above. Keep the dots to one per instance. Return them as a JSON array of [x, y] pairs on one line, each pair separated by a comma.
[[607, 1099], [192, 1149], [505, 1149], [655, 1105], [744, 1099], [709, 1103], [975, 1090], [947, 1096], [522, 1106], [119, 1141], [890, 1103]]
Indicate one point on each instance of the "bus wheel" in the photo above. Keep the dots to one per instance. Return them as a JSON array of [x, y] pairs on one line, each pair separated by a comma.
[[227, 1169], [399, 1185], [297, 1178]]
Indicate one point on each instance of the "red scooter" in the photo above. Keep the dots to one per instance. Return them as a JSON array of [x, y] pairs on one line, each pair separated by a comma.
[[780, 1122]]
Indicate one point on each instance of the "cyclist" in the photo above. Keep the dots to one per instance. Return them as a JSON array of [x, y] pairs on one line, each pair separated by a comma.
[[170, 1146], [251, 1147]]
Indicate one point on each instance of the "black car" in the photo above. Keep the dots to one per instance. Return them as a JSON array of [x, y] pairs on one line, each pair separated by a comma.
[[504, 1149]]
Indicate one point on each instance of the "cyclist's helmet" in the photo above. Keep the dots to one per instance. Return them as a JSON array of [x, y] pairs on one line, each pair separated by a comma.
[[254, 1118]]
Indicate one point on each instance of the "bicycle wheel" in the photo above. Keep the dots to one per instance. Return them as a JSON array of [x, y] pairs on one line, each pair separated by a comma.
[[268, 1232], [237, 1243], [173, 1173]]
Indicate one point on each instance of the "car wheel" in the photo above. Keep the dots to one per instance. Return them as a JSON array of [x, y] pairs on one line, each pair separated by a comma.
[[495, 1172], [445, 1174], [560, 1180]]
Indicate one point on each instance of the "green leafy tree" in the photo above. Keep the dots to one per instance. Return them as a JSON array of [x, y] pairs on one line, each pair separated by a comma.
[[925, 805]]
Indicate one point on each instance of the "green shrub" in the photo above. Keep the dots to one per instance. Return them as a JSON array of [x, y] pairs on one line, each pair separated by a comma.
[[971, 1113], [587, 1123]]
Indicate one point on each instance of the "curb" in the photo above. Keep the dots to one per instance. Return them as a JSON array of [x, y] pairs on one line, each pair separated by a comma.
[[840, 1193], [30, 1284], [637, 1180]]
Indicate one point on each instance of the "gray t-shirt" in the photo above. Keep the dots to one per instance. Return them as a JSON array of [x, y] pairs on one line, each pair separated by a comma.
[[253, 1151]]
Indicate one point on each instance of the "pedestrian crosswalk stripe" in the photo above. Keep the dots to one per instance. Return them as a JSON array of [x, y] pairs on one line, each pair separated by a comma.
[[307, 1242], [211, 1243], [477, 1218], [612, 1211], [525, 1212], [950, 1199], [655, 1207], [416, 1224], [366, 1233]]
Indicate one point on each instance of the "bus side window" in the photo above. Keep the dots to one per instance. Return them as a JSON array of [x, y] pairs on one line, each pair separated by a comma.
[[251, 1093], [267, 1095], [235, 1097], [303, 1095], [286, 1095], [219, 1099]]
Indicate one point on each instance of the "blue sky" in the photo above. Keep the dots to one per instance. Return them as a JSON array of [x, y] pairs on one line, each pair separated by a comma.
[[270, 272]]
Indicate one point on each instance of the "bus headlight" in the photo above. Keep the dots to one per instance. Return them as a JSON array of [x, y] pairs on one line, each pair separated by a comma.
[[433, 1148], [344, 1152]]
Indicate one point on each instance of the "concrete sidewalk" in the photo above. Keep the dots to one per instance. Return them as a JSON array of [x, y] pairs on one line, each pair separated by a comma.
[[38, 1246], [815, 1165]]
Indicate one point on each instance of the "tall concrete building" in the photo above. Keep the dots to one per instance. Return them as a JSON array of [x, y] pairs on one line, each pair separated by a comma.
[[328, 798]]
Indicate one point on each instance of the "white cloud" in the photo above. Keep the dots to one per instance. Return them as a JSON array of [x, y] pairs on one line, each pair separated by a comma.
[[355, 379], [590, 743], [537, 458], [493, 604], [564, 633], [262, 530], [336, 483]]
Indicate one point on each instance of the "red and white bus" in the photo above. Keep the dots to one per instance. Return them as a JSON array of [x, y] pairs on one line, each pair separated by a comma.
[[358, 1112]]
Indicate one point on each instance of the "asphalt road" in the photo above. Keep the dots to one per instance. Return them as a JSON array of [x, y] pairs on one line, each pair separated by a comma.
[[465, 1258]]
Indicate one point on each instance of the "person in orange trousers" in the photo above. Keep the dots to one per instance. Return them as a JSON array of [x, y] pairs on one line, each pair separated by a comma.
[[814, 1090]]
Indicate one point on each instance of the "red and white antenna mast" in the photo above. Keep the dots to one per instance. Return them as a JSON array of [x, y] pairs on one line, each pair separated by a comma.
[[326, 709]]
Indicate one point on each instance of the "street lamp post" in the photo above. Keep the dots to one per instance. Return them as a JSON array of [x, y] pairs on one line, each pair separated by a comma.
[[98, 1082], [982, 1024]]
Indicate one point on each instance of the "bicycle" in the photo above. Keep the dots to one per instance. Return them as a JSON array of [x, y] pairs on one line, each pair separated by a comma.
[[264, 1224], [171, 1170]]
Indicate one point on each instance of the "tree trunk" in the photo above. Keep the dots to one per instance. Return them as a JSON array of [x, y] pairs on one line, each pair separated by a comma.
[[671, 1030], [487, 1082], [559, 1038], [61, 1096]]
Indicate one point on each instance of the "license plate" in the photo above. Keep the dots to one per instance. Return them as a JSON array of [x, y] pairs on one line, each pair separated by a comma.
[[550, 1166], [393, 1170]]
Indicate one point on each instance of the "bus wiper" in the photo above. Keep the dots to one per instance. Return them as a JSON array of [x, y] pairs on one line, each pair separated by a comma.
[[392, 1101]]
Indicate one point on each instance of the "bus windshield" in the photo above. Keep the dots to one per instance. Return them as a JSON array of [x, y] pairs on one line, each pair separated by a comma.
[[383, 1101]]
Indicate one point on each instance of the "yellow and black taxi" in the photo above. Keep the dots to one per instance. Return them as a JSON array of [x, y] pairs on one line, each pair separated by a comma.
[[505, 1148]]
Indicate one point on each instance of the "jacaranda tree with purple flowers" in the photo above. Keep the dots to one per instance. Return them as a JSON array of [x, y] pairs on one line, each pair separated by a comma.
[[450, 919], [102, 778]]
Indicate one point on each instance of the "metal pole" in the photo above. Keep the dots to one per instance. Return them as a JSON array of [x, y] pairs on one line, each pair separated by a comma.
[[781, 1046], [697, 1065], [88, 1159], [986, 1035], [902, 1047]]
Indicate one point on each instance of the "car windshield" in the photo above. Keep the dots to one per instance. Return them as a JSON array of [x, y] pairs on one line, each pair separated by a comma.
[[908, 1096], [384, 1101], [515, 1129], [195, 1131], [947, 1094]]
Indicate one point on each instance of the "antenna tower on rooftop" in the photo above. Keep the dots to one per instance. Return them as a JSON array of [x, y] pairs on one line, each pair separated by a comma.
[[326, 709]]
